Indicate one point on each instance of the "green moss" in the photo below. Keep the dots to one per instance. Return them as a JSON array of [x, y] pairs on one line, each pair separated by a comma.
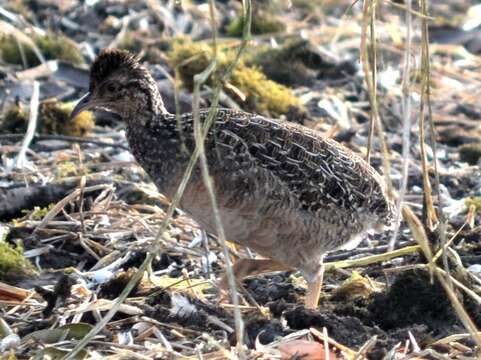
[[54, 118], [66, 168], [56, 46], [52, 46], [192, 58], [12, 262], [262, 95], [38, 213], [475, 201], [262, 23], [470, 153], [14, 120]]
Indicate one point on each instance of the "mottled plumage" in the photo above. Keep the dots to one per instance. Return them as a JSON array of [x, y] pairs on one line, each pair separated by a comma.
[[282, 189]]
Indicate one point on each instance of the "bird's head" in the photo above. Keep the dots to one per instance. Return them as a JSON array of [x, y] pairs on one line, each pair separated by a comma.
[[120, 84]]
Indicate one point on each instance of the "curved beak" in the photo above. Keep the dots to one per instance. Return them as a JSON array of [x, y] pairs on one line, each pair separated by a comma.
[[83, 104]]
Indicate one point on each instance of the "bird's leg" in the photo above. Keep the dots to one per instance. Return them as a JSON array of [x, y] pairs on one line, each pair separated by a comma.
[[314, 289], [248, 267]]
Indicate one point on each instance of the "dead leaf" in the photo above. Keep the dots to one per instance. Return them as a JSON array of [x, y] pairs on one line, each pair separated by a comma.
[[305, 350]]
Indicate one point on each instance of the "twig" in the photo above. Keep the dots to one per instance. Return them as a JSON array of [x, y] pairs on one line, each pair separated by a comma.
[[426, 98], [365, 348], [326, 344], [368, 10], [430, 214], [367, 260], [406, 111], [316, 333], [375, 111], [61, 204], [374, 119], [32, 125]]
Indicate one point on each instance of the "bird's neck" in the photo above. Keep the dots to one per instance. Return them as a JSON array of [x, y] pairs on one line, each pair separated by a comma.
[[146, 105]]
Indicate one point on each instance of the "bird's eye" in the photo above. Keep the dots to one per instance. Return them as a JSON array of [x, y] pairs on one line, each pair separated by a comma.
[[111, 87]]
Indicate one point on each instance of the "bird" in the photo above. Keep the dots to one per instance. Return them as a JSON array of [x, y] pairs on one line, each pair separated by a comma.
[[283, 190]]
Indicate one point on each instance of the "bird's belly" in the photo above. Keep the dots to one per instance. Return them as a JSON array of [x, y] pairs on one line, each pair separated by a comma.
[[238, 225], [282, 233]]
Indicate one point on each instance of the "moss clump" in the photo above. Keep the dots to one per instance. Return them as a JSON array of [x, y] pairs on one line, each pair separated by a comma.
[[298, 62], [262, 23], [262, 95], [470, 153], [66, 168], [12, 262], [15, 119], [473, 201], [356, 287], [54, 118], [192, 58], [293, 63], [52, 46], [38, 213]]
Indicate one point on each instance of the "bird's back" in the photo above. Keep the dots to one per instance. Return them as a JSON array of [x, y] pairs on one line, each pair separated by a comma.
[[321, 173]]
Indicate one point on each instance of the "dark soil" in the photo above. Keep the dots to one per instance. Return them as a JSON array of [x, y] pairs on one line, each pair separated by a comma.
[[411, 304]]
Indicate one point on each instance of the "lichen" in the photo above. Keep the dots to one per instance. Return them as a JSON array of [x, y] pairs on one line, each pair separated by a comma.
[[262, 95], [262, 23], [13, 262], [52, 46]]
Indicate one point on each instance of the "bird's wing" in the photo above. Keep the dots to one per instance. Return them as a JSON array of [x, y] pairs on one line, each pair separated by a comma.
[[318, 171]]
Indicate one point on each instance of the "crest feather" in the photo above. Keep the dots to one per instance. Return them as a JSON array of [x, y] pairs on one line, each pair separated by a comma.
[[109, 61]]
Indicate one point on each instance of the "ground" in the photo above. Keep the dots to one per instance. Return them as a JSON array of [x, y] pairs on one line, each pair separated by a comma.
[[78, 215]]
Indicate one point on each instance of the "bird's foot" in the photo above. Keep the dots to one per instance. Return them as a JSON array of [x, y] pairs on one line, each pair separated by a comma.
[[314, 290]]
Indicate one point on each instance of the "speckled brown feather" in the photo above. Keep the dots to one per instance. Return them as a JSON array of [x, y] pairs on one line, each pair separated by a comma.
[[282, 189]]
